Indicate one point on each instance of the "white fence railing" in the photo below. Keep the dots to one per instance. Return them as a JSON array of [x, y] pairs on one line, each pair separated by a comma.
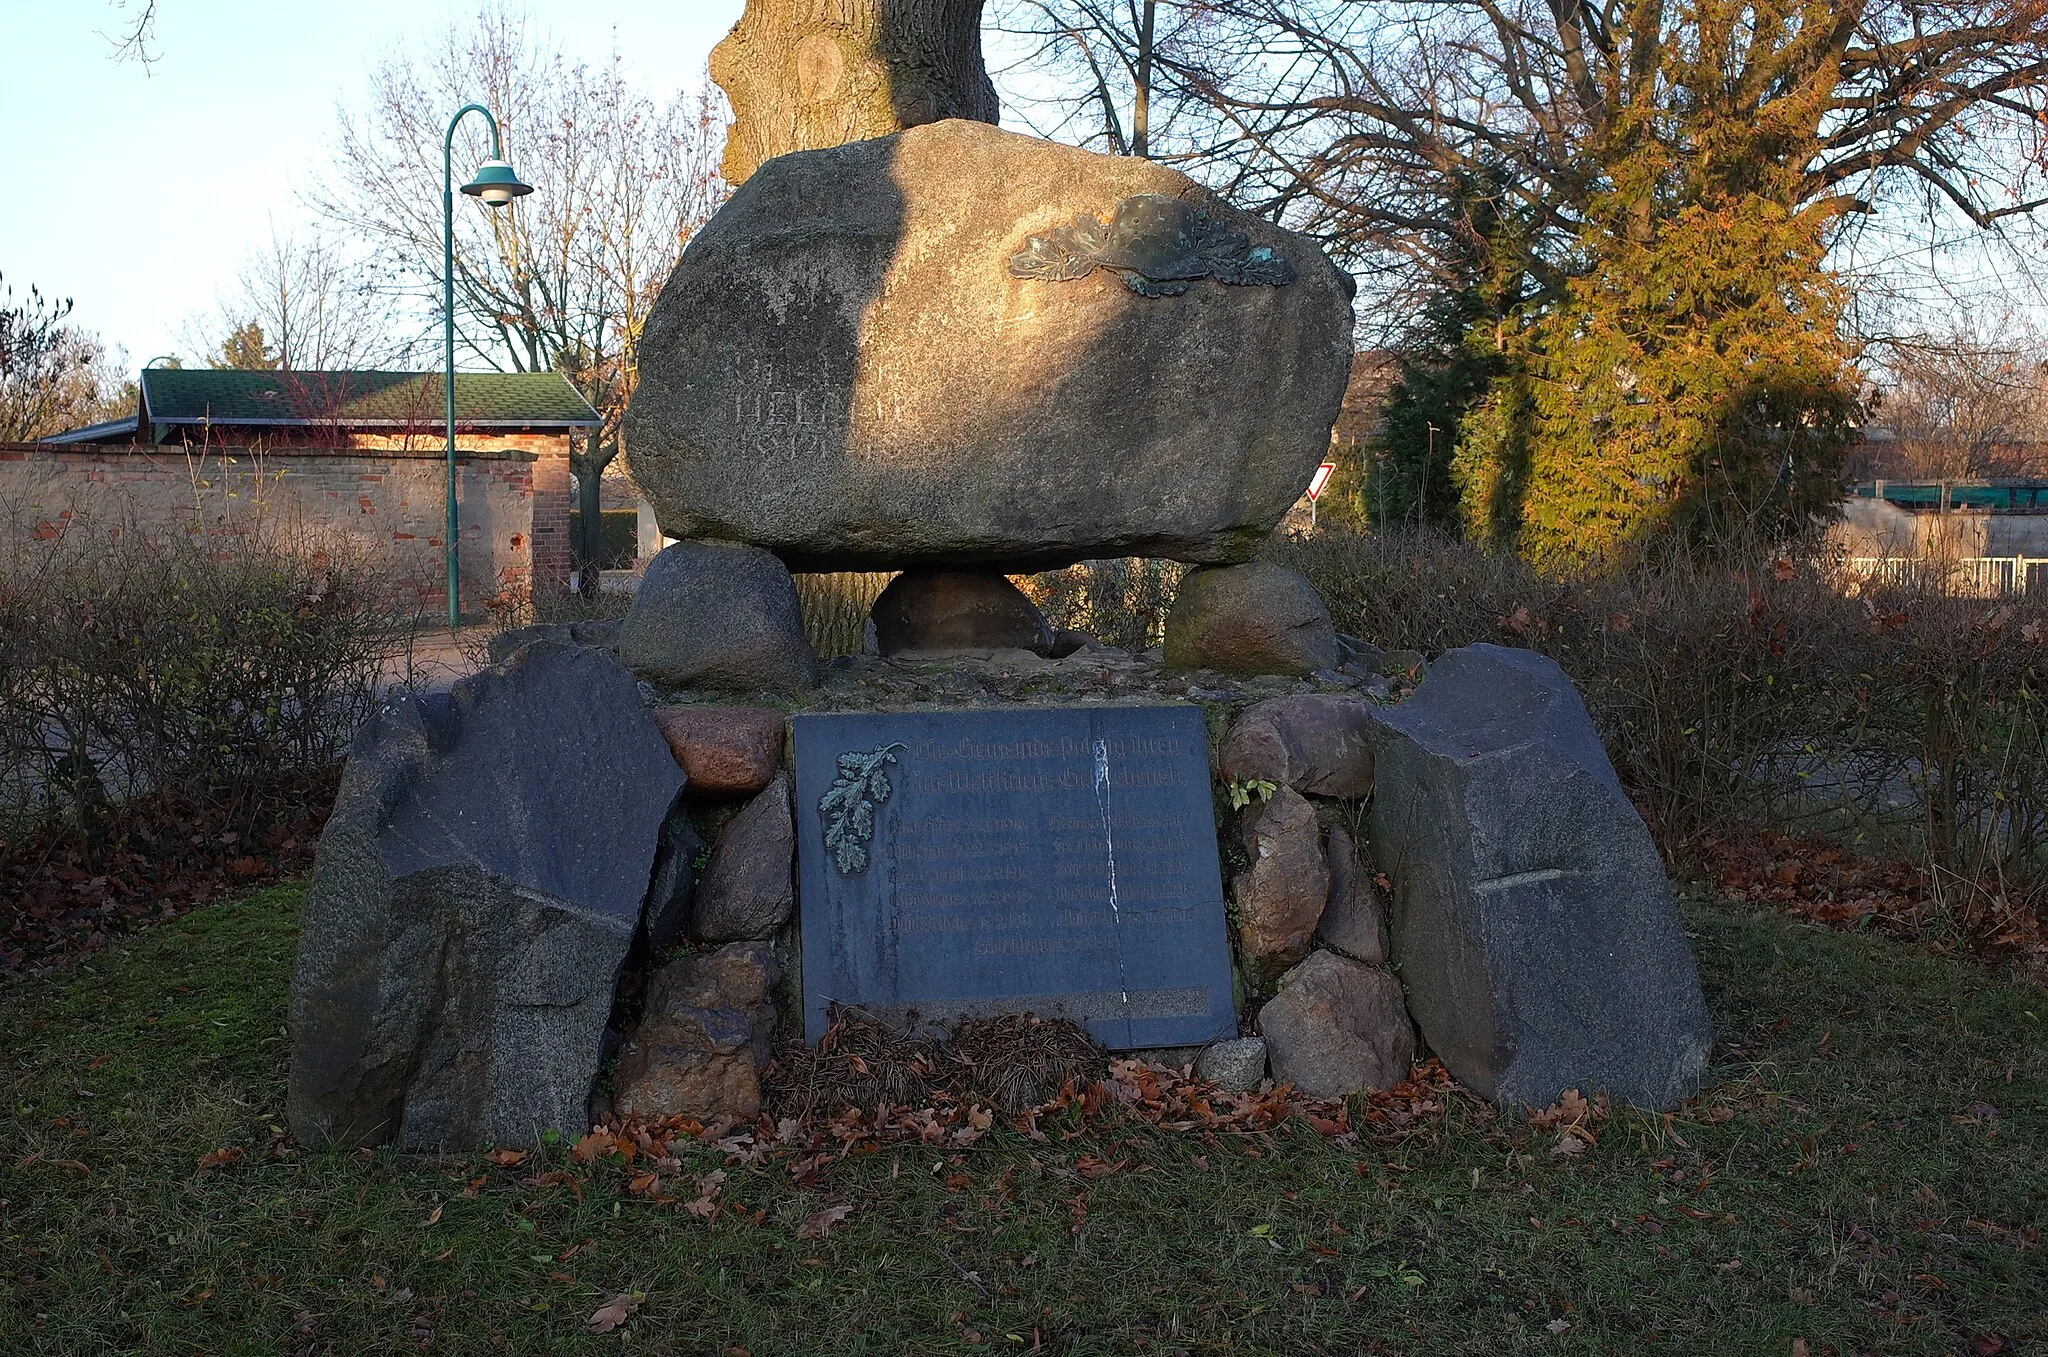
[[1966, 576]]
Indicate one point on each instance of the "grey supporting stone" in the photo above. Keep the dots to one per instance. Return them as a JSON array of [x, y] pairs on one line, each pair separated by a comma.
[[844, 368], [749, 886], [1533, 923], [1338, 1027], [1238, 1065], [718, 615], [674, 885], [1257, 618], [1355, 920]]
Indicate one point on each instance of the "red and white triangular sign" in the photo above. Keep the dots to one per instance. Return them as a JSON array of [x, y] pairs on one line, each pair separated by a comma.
[[1320, 479]]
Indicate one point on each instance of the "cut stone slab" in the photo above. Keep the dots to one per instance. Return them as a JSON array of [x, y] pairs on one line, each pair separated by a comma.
[[940, 612], [1280, 896], [749, 886], [1338, 1027], [1258, 618], [1318, 743], [475, 894], [725, 751], [707, 1033], [1355, 920], [718, 615], [1050, 860], [1238, 1065], [844, 368], [1534, 925]]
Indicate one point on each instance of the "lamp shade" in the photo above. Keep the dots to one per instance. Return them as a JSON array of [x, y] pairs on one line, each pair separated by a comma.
[[496, 184]]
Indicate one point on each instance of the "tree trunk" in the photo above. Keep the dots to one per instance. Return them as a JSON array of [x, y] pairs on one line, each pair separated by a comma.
[[586, 547], [805, 74]]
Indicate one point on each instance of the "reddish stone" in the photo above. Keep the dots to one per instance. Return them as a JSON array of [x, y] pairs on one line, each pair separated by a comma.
[[704, 1038], [725, 751], [1318, 743]]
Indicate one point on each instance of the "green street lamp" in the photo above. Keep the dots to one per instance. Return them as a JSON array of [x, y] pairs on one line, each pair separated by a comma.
[[497, 185]]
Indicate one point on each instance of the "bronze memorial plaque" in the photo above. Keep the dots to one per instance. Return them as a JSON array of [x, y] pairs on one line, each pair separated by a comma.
[[1053, 860]]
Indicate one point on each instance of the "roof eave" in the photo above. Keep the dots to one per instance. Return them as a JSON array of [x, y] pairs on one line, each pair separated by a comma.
[[92, 433], [338, 423]]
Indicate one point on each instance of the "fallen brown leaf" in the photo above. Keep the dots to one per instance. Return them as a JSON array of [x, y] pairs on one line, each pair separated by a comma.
[[819, 1223], [615, 1311]]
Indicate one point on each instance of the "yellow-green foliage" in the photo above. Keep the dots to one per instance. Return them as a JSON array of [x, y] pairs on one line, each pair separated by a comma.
[[1694, 380], [1689, 370]]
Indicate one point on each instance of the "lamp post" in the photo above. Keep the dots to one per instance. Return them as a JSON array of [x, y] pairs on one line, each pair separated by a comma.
[[497, 185]]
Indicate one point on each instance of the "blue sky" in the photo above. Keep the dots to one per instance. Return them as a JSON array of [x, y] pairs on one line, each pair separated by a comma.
[[140, 193]]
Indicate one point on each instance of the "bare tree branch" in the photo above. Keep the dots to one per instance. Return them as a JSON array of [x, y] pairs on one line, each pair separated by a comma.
[[138, 30]]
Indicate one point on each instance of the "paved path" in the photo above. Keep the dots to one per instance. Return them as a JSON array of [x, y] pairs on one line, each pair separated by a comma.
[[438, 658]]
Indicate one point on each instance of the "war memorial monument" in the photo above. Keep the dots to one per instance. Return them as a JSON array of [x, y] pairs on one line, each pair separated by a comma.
[[937, 348]]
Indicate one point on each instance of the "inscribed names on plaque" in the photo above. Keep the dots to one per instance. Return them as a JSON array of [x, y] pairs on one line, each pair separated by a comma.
[[1052, 860]]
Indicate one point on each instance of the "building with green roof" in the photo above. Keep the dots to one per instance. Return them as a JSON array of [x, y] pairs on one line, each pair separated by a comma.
[[355, 456], [228, 407]]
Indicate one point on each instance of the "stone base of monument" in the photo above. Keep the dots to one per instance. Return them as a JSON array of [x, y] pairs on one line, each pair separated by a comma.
[[934, 613], [1257, 618], [719, 614], [1303, 879]]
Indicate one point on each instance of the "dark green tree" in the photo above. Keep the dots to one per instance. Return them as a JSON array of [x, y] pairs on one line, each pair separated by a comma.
[[1450, 360], [246, 349], [1446, 369]]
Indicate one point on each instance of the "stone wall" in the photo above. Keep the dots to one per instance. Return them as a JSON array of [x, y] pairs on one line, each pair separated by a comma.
[[386, 504]]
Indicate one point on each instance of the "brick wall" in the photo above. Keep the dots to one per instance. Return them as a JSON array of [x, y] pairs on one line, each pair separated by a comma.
[[551, 504], [388, 505]]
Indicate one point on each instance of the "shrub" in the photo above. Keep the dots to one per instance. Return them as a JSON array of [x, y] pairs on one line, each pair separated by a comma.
[[1761, 688], [131, 667], [1121, 602]]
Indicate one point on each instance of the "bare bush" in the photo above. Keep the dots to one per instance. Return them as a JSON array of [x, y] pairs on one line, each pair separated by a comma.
[[1120, 602], [1965, 404], [835, 608], [1762, 690], [134, 667]]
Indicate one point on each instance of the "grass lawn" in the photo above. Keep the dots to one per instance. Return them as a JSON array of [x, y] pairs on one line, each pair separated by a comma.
[[1868, 1173]]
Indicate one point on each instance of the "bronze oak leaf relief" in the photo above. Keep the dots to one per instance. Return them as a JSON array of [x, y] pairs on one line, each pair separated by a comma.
[[1159, 246], [848, 805]]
